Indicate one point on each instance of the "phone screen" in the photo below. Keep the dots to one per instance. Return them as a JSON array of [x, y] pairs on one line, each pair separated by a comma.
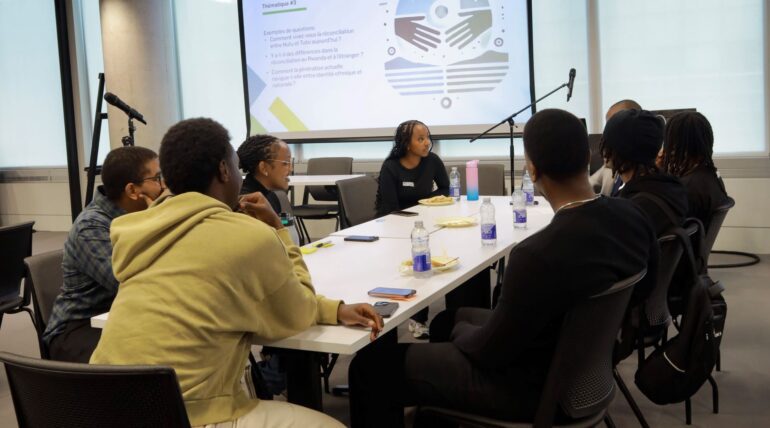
[[361, 238]]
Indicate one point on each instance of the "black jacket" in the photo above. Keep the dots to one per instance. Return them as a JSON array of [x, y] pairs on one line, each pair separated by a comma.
[[705, 192], [401, 188], [664, 186], [251, 185]]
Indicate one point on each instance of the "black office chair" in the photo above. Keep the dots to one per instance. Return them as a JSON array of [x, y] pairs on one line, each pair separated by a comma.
[[54, 393], [44, 278], [308, 211], [357, 200], [15, 245], [580, 380]]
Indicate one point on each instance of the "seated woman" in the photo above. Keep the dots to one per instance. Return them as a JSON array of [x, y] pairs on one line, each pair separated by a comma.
[[267, 162], [630, 145], [411, 172], [687, 152]]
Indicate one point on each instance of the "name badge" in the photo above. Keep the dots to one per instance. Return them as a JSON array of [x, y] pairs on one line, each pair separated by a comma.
[[407, 184]]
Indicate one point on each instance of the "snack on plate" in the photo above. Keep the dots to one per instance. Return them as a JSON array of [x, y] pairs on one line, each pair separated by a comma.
[[437, 200]]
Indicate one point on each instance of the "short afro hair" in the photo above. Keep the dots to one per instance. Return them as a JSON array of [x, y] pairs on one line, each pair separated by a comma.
[[556, 142], [122, 166], [190, 154], [254, 150]]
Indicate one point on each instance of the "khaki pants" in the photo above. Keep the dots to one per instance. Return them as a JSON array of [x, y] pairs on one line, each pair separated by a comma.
[[279, 414]]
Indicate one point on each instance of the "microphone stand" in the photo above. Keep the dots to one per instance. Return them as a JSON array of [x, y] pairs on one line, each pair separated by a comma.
[[509, 119], [128, 140]]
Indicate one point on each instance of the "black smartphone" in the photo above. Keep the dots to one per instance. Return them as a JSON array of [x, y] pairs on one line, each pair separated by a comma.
[[405, 213], [385, 309], [392, 293], [361, 238]]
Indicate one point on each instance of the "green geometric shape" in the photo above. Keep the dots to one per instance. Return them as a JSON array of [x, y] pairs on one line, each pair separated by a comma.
[[287, 117], [256, 127]]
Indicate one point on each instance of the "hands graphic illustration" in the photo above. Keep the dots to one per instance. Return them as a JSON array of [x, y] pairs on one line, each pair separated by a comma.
[[476, 23], [421, 36]]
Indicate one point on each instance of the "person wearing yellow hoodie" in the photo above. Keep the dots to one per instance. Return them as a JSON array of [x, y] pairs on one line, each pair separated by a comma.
[[199, 282]]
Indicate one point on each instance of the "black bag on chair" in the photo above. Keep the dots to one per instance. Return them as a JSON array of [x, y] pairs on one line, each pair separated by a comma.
[[676, 370]]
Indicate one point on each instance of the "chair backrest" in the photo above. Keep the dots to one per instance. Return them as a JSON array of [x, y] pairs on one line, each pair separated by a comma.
[[283, 198], [715, 223], [15, 245], [656, 305], [326, 166], [357, 200], [580, 378], [44, 279], [491, 179], [54, 393]]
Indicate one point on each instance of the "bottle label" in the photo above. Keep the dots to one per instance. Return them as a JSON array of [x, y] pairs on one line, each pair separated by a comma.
[[488, 231], [520, 216], [454, 191], [421, 263], [530, 197]]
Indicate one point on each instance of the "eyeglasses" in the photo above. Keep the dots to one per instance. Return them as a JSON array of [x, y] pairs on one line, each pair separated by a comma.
[[157, 178], [288, 162]]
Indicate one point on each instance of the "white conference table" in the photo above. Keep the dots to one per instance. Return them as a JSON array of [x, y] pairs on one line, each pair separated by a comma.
[[347, 270]]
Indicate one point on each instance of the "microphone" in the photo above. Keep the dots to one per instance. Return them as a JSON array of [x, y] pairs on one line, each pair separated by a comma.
[[571, 83], [117, 102]]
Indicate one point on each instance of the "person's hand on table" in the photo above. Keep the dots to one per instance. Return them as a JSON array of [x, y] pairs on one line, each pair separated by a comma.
[[362, 314], [256, 205]]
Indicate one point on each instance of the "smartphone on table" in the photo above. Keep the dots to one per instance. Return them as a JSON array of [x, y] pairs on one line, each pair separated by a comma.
[[361, 238], [405, 213], [385, 309], [393, 293]]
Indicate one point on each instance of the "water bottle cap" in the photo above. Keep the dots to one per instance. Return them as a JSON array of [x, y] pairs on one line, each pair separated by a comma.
[[418, 223], [487, 199], [454, 168], [472, 164]]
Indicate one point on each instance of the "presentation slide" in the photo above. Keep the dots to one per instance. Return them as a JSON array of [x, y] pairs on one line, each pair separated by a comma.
[[339, 69]]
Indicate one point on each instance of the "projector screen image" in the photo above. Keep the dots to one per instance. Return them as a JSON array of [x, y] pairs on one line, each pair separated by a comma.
[[344, 69]]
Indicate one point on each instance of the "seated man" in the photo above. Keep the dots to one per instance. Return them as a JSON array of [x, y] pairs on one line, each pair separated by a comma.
[[630, 145], [131, 180], [495, 362], [200, 282]]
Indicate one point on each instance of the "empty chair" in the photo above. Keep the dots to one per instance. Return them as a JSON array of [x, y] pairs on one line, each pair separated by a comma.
[[491, 178], [15, 245], [357, 200], [308, 211], [580, 380], [53, 393], [44, 279]]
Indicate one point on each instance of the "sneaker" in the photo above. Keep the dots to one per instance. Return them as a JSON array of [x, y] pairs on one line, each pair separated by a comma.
[[418, 330]]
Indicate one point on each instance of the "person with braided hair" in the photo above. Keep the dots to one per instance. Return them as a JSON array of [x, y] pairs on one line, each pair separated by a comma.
[[687, 154], [267, 162]]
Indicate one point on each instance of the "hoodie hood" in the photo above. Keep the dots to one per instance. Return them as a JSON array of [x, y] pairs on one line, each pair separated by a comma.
[[664, 186], [138, 239]]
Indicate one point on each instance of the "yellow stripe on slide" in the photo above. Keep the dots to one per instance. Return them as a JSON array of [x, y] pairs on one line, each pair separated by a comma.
[[287, 117]]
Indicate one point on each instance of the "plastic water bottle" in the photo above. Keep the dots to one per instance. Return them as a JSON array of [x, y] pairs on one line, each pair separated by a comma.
[[420, 251], [528, 187], [519, 210], [488, 224], [454, 184]]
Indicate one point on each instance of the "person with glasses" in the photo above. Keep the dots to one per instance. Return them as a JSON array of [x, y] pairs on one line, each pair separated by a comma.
[[267, 162], [131, 181]]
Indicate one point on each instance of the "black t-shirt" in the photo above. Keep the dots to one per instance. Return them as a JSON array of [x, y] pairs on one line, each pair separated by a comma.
[[665, 187], [401, 188], [251, 185], [705, 192], [584, 251]]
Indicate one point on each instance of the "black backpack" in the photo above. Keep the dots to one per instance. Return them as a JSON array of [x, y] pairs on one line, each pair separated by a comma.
[[677, 370]]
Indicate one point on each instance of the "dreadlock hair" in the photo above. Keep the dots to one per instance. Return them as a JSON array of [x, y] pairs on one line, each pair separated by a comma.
[[254, 150], [403, 137], [688, 144]]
